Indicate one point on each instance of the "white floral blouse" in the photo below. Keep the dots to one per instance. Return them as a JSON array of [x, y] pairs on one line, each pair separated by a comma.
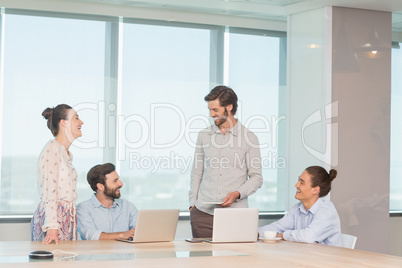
[[57, 181]]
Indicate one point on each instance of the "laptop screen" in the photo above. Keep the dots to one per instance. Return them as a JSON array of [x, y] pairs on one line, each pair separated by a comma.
[[235, 225], [156, 225]]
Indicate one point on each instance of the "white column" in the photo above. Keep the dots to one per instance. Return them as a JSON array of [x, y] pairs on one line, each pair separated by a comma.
[[339, 109], [309, 92]]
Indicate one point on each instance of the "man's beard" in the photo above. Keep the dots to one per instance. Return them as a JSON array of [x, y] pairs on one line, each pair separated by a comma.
[[222, 119], [111, 192]]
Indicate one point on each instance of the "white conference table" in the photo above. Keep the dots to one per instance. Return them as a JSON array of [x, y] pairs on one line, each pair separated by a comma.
[[184, 254]]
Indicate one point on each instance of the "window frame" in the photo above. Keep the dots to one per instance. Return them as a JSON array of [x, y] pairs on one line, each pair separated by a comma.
[[112, 89]]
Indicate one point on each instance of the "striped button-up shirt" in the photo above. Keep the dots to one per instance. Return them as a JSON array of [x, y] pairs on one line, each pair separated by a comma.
[[224, 164]]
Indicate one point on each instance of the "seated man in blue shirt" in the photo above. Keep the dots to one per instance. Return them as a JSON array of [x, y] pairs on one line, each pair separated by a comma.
[[313, 220], [105, 215]]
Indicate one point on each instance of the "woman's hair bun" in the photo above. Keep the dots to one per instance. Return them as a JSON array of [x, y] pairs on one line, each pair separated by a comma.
[[47, 113]]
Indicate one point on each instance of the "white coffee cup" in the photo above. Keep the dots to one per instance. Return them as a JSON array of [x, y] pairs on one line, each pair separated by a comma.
[[269, 234]]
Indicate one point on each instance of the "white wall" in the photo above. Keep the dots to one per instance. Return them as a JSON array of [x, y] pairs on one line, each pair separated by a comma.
[[15, 231], [21, 232], [395, 236]]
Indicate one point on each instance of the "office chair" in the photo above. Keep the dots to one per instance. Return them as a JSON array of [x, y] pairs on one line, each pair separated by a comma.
[[348, 241]]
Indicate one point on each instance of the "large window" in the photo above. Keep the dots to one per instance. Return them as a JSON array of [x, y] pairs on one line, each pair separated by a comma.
[[139, 88], [165, 78], [47, 61], [253, 70], [396, 130]]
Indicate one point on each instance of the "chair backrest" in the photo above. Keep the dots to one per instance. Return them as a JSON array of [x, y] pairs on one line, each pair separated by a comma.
[[348, 241]]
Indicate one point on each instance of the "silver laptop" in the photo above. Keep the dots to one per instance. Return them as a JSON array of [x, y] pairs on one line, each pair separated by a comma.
[[235, 225], [155, 225]]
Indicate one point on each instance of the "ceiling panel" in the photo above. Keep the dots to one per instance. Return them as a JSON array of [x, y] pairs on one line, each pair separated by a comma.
[[261, 9]]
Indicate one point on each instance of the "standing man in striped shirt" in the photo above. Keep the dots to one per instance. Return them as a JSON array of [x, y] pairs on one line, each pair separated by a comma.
[[227, 163]]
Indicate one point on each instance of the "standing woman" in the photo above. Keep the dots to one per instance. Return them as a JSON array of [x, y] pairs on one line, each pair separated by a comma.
[[55, 218]]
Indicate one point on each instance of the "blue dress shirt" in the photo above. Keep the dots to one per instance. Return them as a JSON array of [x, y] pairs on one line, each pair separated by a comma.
[[320, 224], [94, 218]]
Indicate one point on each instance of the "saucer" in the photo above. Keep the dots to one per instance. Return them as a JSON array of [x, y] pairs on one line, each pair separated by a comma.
[[271, 240]]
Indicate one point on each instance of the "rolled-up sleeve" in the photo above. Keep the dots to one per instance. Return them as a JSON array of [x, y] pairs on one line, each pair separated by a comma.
[[86, 223], [133, 214], [254, 170], [321, 227], [280, 226], [197, 172]]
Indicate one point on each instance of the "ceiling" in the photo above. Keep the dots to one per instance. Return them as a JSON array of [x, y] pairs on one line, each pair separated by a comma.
[[261, 9]]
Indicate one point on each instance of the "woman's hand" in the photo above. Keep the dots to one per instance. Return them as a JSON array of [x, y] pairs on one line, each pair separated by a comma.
[[51, 235]]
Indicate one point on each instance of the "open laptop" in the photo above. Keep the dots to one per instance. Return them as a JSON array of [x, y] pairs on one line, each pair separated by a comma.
[[234, 225], [155, 225]]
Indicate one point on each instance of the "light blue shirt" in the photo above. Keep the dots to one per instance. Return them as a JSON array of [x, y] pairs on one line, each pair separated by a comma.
[[94, 218], [320, 224]]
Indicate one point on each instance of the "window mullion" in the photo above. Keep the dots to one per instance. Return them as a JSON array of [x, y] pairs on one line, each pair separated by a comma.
[[110, 91]]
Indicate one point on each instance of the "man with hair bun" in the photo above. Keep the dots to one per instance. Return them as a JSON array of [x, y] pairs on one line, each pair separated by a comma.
[[313, 219]]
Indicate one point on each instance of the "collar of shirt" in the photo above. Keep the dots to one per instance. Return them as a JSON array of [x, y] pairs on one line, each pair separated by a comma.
[[234, 130], [313, 210], [96, 203]]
